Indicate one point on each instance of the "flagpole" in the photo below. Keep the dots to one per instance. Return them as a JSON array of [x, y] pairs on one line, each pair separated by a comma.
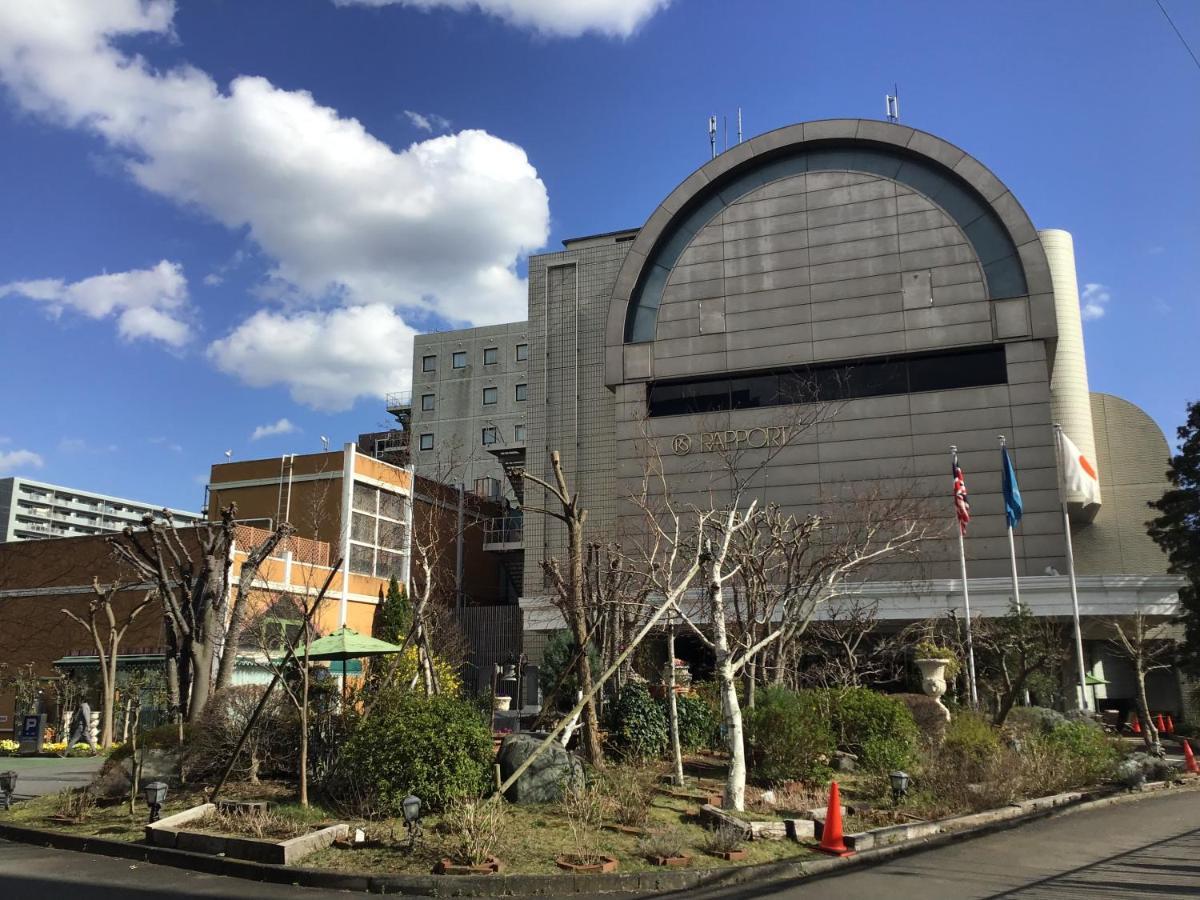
[[1012, 551], [1071, 574], [962, 559]]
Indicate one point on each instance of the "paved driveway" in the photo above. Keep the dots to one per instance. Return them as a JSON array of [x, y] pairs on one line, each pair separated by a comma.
[[37, 776]]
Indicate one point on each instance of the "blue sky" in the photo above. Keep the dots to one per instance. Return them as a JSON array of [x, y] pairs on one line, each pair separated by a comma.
[[220, 215]]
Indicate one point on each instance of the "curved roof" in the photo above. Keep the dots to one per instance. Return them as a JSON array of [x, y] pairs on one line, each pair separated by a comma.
[[1001, 233]]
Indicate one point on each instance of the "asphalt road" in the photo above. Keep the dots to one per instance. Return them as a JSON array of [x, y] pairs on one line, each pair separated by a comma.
[[1150, 848], [37, 775]]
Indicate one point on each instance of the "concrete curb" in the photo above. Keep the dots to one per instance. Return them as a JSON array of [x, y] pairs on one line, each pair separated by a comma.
[[563, 885]]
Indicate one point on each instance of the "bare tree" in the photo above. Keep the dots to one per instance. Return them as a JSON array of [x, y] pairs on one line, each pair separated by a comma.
[[848, 647], [1014, 648], [1147, 648], [571, 594], [107, 629], [191, 574]]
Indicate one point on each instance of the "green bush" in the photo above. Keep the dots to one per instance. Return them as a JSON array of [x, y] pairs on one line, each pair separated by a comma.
[[1030, 720], [788, 736], [557, 657], [435, 747], [861, 716], [1092, 756], [639, 724], [886, 754], [970, 740], [699, 724]]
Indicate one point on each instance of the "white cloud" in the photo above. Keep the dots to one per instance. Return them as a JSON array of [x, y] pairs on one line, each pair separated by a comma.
[[148, 303], [14, 460], [168, 444], [427, 121], [1093, 301], [437, 227], [327, 359], [283, 426], [562, 18]]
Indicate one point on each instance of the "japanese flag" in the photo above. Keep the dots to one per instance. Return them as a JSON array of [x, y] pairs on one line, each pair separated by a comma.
[[1079, 475]]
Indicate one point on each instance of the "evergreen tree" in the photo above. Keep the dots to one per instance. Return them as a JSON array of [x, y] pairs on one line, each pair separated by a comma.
[[1177, 529], [393, 616]]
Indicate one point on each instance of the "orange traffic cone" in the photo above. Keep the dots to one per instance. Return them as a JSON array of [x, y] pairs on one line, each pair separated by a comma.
[[1170, 724], [1137, 724], [1189, 759], [1160, 724], [831, 829]]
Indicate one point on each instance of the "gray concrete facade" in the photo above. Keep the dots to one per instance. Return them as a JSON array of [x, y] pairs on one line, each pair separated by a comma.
[[31, 510], [455, 409]]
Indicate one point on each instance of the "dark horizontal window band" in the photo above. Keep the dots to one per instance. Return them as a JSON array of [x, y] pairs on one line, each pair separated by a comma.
[[909, 373], [990, 240]]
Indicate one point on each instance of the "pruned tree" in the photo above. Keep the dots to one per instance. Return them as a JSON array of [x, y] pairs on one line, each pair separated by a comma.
[[203, 616], [846, 646], [106, 629], [1148, 648], [1013, 648], [571, 593]]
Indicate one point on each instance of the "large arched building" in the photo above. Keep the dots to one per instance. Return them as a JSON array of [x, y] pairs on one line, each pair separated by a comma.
[[860, 262]]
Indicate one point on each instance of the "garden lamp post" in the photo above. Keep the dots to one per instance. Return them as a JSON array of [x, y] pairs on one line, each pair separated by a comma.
[[156, 795], [412, 817], [8, 784], [899, 786]]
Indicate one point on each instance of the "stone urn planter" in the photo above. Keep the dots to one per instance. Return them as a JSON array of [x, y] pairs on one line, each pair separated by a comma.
[[933, 681], [503, 703], [602, 865], [450, 867]]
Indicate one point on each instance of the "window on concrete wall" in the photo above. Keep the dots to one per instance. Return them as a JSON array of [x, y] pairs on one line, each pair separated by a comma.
[[427, 402], [519, 433], [522, 352], [489, 436], [459, 359], [490, 396], [522, 392], [429, 363], [426, 442], [490, 356]]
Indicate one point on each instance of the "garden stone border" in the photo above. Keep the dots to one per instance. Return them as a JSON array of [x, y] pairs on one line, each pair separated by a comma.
[[168, 833], [974, 825]]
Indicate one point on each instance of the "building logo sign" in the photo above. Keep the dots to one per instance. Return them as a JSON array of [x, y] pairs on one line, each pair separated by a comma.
[[732, 439]]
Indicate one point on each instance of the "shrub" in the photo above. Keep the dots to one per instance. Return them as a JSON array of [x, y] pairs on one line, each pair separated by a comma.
[[1030, 720], [270, 746], [629, 792], [639, 725], [556, 658], [928, 649], [861, 716], [724, 839], [1090, 756], [699, 723], [435, 747], [583, 805], [970, 742], [886, 754], [788, 737], [1138, 768], [474, 828], [663, 844]]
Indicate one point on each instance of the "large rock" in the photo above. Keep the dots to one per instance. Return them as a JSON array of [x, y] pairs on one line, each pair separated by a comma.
[[116, 775], [544, 780]]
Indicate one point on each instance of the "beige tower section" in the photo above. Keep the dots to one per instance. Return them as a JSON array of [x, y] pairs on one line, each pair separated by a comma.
[[1070, 399]]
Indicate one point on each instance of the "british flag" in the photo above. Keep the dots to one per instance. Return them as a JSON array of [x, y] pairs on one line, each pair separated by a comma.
[[961, 506]]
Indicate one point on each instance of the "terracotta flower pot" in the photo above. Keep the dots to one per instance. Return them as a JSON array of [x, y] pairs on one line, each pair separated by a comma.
[[449, 867], [731, 855], [605, 864], [673, 861]]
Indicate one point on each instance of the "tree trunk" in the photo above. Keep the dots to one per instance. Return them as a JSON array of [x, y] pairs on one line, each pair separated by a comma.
[[735, 783], [583, 667], [304, 731], [110, 698], [673, 707], [202, 663], [1149, 731]]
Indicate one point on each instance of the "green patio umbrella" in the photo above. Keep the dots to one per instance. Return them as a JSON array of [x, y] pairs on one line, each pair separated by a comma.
[[344, 644]]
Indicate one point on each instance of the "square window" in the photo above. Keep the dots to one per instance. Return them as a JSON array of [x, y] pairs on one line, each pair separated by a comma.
[[490, 356], [427, 402], [459, 359], [489, 436], [522, 392], [490, 396], [519, 433], [522, 352], [427, 442], [429, 363]]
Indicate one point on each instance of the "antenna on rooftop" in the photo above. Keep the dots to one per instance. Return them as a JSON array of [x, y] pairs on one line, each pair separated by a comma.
[[739, 124], [325, 442], [893, 105], [712, 135], [228, 455]]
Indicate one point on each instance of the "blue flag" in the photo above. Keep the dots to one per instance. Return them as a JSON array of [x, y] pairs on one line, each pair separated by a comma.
[[1012, 493]]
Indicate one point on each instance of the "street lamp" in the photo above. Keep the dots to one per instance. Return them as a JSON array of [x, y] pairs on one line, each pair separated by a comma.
[[899, 786], [8, 784], [156, 795], [412, 818]]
